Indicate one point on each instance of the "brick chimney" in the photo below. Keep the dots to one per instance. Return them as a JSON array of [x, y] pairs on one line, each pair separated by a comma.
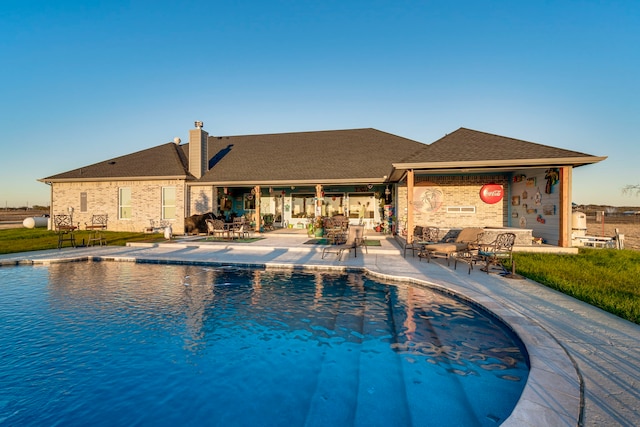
[[198, 156]]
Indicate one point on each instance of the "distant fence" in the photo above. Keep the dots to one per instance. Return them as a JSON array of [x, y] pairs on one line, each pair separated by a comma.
[[613, 218]]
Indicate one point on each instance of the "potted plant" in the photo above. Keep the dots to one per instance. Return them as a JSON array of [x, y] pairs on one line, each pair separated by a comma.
[[318, 225]]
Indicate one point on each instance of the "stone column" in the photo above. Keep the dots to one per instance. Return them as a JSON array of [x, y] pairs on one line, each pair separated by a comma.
[[257, 204], [410, 179]]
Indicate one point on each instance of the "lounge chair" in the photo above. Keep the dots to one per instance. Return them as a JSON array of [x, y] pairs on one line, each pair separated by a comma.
[[355, 238], [466, 237]]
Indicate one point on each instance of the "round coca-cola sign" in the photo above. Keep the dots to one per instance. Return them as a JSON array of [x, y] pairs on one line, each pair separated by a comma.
[[491, 193]]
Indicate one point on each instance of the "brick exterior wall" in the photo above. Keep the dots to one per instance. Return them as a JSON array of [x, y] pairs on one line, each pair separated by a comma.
[[455, 191], [102, 198]]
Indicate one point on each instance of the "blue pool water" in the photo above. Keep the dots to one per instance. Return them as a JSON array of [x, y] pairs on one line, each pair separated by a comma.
[[106, 344]]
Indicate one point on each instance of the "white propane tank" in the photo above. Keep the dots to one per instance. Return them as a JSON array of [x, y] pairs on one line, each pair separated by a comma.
[[579, 223], [35, 221]]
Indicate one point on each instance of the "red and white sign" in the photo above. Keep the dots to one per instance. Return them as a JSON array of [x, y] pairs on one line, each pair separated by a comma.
[[491, 193]]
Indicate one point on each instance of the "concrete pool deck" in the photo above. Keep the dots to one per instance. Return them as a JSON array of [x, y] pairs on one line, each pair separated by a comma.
[[585, 363]]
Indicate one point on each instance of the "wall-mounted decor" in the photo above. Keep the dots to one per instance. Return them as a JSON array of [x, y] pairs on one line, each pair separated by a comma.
[[525, 194], [552, 176], [519, 178], [427, 198], [491, 193], [514, 214], [523, 222], [515, 200], [537, 199], [531, 182], [549, 209]]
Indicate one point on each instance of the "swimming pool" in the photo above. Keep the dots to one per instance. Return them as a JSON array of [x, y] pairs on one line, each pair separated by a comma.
[[132, 344]]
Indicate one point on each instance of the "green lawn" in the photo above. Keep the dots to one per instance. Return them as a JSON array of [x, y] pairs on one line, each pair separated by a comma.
[[34, 239], [605, 278]]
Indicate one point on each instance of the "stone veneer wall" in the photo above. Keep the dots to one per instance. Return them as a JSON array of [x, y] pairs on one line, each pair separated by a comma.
[[457, 190], [102, 198]]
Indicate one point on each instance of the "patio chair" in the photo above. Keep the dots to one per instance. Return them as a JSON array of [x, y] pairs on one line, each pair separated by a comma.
[[267, 220], [64, 229], [415, 243], [492, 254], [341, 221], [468, 237], [335, 230], [241, 232], [97, 225], [430, 235], [336, 235], [355, 238], [216, 228]]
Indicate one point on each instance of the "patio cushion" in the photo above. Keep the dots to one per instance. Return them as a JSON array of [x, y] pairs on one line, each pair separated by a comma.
[[446, 247], [469, 234]]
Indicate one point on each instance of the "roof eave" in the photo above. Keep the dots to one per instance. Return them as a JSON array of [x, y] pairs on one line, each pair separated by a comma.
[[495, 164], [275, 183], [115, 178]]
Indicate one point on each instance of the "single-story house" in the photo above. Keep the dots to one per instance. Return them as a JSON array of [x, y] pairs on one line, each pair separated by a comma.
[[382, 180]]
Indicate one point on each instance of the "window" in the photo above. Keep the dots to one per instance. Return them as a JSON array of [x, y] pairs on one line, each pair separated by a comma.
[[333, 205], [361, 205], [302, 206], [83, 202], [168, 202], [124, 203]]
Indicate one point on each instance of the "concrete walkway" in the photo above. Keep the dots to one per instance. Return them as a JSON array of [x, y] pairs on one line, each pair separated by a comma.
[[585, 363]]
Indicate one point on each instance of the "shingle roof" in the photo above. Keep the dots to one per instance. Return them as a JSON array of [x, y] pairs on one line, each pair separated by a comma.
[[325, 156], [355, 155], [471, 145], [166, 160]]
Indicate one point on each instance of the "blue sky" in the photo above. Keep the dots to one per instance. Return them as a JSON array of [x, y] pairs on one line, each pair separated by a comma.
[[85, 81]]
